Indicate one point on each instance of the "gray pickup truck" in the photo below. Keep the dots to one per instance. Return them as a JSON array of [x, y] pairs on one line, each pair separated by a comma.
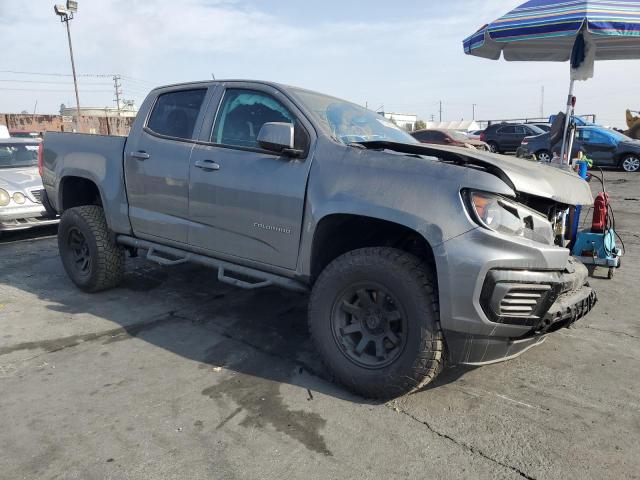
[[415, 255]]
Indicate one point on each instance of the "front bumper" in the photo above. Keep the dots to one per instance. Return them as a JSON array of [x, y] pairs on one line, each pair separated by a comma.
[[498, 298], [20, 218], [468, 349]]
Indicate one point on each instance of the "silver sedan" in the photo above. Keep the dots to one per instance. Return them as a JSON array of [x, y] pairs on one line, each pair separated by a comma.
[[21, 189]]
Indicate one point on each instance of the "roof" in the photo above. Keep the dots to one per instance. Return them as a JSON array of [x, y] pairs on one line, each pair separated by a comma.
[[32, 141], [462, 125]]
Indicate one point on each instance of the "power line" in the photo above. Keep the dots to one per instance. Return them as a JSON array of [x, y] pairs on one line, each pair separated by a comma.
[[139, 80], [95, 75], [46, 81], [50, 90]]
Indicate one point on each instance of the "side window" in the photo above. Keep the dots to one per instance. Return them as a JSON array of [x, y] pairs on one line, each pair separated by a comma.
[[520, 130], [507, 130], [584, 135], [597, 137], [421, 136], [175, 113], [425, 136], [242, 114]]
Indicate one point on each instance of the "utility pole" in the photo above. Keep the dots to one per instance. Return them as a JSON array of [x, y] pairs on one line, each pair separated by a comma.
[[473, 117], [118, 90], [66, 14], [542, 102], [440, 110]]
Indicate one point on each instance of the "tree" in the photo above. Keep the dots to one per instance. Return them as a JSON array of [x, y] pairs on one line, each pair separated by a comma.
[[420, 125], [62, 108]]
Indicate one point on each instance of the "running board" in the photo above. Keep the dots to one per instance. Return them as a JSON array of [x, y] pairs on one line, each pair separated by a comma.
[[168, 256]]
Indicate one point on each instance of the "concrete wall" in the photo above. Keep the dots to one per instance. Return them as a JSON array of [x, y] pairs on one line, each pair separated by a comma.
[[57, 123]]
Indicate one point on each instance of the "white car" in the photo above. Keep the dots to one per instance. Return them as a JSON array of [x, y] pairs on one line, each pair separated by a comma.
[[21, 190]]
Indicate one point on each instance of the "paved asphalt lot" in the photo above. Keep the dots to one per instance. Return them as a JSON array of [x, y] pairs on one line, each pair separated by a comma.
[[174, 375]]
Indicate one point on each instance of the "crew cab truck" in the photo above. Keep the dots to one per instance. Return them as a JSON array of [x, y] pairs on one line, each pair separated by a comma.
[[415, 256]]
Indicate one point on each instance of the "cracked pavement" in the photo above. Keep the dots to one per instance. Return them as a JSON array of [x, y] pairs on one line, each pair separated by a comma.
[[174, 375]]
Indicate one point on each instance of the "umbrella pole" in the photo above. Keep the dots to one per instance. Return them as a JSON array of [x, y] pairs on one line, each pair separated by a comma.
[[567, 121]]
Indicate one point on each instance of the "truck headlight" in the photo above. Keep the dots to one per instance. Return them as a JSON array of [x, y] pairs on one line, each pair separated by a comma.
[[18, 198], [510, 218], [4, 198]]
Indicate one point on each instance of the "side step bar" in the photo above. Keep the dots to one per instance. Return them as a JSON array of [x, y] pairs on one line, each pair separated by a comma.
[[174, 256]]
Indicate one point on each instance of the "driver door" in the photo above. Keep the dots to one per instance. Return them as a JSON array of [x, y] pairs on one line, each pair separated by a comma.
[[599, 147], [246, 202]]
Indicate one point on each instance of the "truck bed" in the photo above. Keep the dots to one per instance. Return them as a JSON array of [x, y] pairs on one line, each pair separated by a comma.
[[98, 158]]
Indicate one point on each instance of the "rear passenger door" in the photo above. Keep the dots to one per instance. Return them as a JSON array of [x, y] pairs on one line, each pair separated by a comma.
[[157, 156], [506, 137]]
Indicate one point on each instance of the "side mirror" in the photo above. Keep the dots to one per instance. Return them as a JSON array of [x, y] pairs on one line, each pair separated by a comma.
[[277, 137]]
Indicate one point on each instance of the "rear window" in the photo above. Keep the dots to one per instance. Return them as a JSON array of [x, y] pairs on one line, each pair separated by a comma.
[[175, 113], [14, 155]]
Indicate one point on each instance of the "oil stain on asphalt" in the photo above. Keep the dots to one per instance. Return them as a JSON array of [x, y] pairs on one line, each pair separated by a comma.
[[255, 389]]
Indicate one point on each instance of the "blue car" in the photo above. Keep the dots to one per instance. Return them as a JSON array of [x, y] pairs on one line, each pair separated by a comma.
[[607, 148]]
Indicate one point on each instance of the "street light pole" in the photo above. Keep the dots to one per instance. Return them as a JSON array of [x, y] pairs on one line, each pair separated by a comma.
[[66, 14], [73, 67]]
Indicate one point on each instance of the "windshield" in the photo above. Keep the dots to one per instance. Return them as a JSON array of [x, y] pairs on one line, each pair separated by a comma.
[[14, 155], [350, 123]]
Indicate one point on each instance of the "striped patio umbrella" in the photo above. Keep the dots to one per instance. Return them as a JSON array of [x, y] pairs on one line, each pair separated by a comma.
[[581, 31], [546, 30]]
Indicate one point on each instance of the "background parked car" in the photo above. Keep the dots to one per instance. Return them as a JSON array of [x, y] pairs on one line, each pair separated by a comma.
[[21, 190], [448, 137], [607, 148], [475, 134], [507, 137], [24, 134]]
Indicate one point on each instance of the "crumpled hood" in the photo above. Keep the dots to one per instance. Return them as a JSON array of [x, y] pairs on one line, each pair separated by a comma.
[[525, 176], [20, 179], [546, 181]]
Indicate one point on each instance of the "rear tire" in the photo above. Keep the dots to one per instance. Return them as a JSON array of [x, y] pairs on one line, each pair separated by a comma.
[[543, 156], [90, 257], [493, 147], [630, 163], [374, 318]]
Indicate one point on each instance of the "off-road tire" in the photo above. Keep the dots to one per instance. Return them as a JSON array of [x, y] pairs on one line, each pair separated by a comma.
[[106, 258], [412, 281]]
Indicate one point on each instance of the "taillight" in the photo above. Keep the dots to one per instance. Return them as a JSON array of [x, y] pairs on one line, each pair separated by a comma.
[[482, 137], [525, 141], [40, 158]]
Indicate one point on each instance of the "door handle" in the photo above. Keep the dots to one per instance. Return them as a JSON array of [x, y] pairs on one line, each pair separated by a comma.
[[207, 165], [140, 155]]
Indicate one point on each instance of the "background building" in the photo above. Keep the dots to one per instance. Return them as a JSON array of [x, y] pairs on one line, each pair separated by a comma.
[[403, 120]]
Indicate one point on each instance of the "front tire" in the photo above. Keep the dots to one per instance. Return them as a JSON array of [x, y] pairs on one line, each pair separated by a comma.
[[90, 257], [630, 163], [374, 318]]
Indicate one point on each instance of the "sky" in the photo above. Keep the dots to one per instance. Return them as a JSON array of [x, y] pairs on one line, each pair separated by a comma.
[[402, 57]]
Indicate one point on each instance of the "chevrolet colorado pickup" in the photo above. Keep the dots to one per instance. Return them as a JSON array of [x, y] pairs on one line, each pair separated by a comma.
[[414, 255]]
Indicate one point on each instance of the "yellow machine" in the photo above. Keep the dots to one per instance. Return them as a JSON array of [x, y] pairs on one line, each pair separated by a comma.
[[633, 122]]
